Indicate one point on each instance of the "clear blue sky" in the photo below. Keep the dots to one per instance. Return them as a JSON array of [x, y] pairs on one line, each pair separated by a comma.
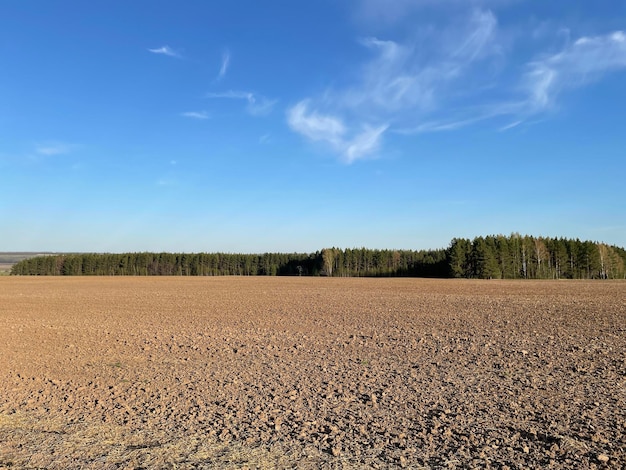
[[250, 126]]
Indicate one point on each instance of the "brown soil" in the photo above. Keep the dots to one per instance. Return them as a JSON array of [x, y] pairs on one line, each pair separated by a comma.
[[311, 373]]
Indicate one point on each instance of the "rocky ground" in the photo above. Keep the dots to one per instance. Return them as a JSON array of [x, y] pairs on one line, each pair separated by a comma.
[[311, 373]]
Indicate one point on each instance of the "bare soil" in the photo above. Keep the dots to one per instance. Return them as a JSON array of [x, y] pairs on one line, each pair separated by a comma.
[[311, 373]]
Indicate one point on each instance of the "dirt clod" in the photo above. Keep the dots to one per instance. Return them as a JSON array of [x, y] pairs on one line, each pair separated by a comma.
[[123, 372]]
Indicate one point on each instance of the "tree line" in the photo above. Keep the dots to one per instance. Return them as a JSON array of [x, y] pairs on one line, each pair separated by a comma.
[[527, 257], [327, 262], [491, 257]]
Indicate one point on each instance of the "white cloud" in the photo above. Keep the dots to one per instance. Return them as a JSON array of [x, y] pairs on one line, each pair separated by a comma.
[[403, 83], [449, 75], [54, 148], [510, 126], [260, 106], [331, 130], [257, 105], [166, 50], [364, 143], [196, 114], [224, 65], [416, 75], [586, 60], [315, 126], [477, 40], [439, 126]]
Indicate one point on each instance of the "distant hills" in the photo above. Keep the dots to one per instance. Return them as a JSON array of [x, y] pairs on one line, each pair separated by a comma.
[[9, 258]]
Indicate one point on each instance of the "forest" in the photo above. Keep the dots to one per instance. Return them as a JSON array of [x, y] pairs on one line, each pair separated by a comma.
[[490, 257]]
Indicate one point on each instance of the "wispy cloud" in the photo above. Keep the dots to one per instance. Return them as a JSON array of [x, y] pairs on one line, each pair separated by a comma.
[[315, 126], [167, 182], [397, 88], [364, 143], [510, 126], [224, 65], [331, 130], [449, 76], [54, 148], [401, 77], [166, 50], [450, 124], [584, 61], [196, 114], [257, 105]]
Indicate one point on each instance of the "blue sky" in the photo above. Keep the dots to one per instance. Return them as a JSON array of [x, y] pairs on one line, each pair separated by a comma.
[[249, 126]]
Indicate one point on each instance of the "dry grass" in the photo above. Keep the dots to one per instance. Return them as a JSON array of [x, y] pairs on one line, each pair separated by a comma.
[[60, 445]]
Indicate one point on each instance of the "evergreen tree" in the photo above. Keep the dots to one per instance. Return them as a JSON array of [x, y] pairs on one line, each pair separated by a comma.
[[458, 255]]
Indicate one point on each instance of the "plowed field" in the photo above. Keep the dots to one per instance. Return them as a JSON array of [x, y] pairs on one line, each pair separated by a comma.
[[311, 373]]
